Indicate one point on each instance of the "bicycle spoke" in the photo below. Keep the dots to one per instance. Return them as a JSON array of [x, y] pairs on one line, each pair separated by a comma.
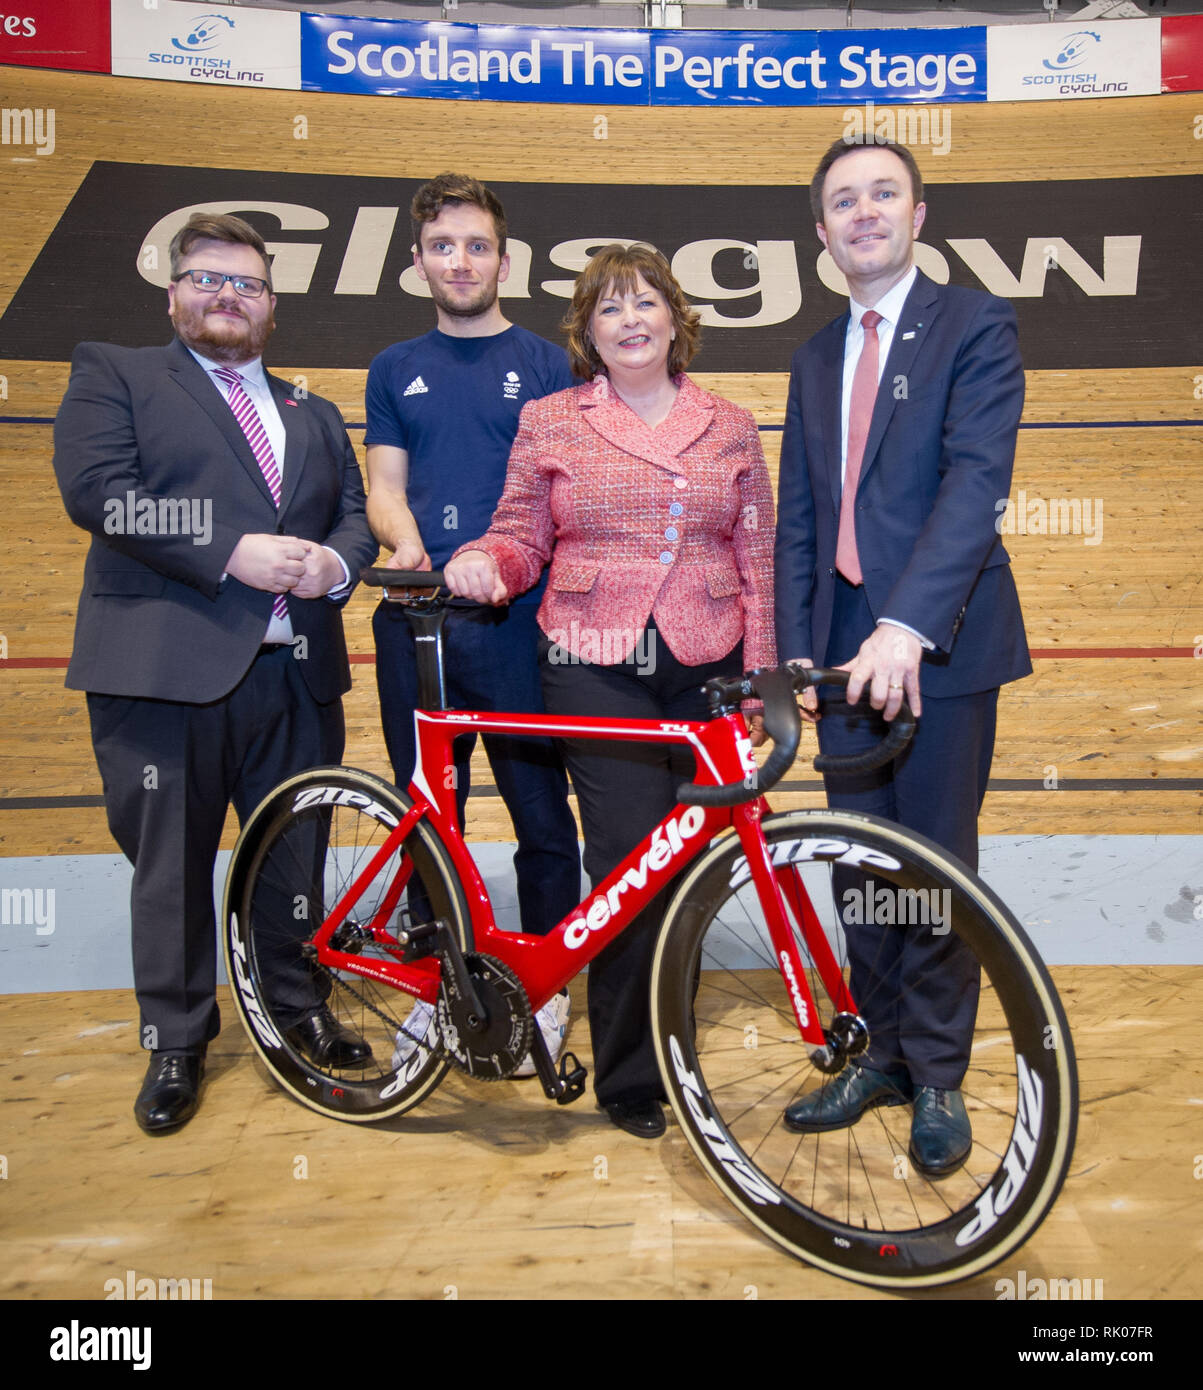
[[292, 869], [852, 1199]]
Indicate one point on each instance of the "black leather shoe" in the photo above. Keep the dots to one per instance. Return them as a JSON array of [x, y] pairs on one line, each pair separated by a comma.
[[846, 1099], [170, 1091], [642, 1118], [940, 1134], [327, 1043]]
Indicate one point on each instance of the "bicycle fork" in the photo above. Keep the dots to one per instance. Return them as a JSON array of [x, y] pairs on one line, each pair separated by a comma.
[[783, 895]]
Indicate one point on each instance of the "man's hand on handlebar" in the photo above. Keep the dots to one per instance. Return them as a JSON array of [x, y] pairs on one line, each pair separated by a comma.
[[474, 574], [888, 663]]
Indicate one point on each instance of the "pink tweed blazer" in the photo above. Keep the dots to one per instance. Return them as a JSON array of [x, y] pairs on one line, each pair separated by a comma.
[[674, 522]]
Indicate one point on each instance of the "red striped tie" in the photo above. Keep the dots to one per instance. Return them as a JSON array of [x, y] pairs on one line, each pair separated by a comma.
[[256, 436], [860, 414]]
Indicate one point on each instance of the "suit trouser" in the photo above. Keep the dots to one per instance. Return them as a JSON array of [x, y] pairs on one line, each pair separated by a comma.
[[490, 660], [624, 790], [170, 771], [917, 987]]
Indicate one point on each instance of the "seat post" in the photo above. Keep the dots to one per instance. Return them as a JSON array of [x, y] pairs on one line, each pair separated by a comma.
[[427, 624]]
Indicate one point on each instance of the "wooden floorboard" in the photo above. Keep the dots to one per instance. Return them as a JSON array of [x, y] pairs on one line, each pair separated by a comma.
[[492, 1192]]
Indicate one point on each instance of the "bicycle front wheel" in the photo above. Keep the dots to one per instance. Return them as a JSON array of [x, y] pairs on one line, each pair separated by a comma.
[[316, 838], [851, 1199]]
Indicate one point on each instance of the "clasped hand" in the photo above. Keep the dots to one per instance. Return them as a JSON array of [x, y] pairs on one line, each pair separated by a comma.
[[284, 565]]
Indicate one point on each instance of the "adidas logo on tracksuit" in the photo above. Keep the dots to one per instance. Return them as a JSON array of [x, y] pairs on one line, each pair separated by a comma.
[[416, 387]]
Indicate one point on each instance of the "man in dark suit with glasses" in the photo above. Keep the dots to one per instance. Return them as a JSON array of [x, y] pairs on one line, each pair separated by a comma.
[[227, 520]]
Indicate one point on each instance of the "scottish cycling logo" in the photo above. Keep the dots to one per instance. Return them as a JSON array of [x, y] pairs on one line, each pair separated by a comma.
[[206, 33], [197, 52], [1062, 71], [1073, 51]]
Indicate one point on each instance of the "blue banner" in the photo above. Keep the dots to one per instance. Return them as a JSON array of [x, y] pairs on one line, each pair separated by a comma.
[[384, 57], [821, 67], [604, 66], [636, 67]]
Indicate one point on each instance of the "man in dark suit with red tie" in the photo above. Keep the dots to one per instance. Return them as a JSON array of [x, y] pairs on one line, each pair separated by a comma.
[[228, 520], [898, 446]]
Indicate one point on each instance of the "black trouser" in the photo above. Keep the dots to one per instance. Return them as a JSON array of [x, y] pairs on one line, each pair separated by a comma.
[[170, 772], [917, 987], [624, 790]]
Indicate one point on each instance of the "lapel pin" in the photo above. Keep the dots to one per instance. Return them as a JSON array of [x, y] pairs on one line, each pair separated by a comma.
[[905, 336]]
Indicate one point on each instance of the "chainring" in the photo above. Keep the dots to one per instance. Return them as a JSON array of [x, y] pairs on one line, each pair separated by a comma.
[[495, 1051]]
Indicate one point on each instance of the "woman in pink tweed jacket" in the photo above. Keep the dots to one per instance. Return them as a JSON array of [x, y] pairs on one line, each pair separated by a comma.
[[651, 500], [674, 523]]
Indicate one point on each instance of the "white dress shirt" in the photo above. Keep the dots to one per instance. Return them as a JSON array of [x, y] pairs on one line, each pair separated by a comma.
[[257, 387], [890, 309]]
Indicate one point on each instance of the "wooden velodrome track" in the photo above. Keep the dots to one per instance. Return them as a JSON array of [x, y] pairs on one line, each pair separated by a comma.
[[490, 1191]]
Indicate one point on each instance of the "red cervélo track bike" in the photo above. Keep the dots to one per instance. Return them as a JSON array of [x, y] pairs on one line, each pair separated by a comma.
[[367, 897]]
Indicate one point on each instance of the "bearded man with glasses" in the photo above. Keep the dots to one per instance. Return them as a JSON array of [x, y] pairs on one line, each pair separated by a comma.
[[227, 517]]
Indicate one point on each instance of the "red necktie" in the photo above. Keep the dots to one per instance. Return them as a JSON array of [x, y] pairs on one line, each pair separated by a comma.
[[860, 413], [256, 436]]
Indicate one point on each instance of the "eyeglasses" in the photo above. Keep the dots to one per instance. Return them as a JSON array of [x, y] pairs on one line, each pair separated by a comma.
[[210, 281]]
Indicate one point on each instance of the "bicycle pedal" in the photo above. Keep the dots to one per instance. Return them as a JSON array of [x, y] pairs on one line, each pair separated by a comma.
[[572, 1078]]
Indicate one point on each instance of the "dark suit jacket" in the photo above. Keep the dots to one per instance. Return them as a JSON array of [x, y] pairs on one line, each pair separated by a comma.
[[156, 619], [937, 464]]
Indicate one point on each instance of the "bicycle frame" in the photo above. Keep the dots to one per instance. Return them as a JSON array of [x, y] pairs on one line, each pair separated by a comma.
[[341, 849], [544, 964]]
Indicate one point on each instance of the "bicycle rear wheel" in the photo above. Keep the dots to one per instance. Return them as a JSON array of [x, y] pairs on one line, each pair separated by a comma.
[[300, 852], [850, 1200]]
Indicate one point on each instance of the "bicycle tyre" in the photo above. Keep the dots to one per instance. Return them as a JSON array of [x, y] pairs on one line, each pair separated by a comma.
[[849, 1200], [333, 819]]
